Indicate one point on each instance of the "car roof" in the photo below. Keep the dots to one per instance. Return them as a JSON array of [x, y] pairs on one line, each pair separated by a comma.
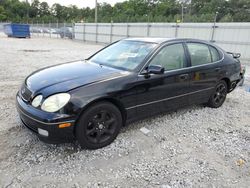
[[149, 39], [163, 40]]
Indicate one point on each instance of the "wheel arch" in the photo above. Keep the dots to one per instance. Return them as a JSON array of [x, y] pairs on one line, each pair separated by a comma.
[[113, 101], [228, 82]]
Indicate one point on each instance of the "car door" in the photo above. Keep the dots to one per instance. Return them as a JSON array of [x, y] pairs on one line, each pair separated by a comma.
[[169, 90], [205, 70]]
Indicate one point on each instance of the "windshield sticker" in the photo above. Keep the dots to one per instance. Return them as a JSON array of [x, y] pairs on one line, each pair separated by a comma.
[[127, 55]]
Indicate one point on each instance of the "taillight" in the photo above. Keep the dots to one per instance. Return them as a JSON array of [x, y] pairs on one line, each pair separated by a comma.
[[242, 69]]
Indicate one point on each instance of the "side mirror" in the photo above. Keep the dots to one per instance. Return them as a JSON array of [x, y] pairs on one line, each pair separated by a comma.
[[155, 69]]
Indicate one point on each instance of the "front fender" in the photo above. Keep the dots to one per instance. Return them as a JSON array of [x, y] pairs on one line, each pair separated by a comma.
[[121, 92]]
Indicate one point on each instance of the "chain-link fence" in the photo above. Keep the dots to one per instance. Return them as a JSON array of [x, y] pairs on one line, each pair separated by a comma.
[[52, 30], [1, 26]]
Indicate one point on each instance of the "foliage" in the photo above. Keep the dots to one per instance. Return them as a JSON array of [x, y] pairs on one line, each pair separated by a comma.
[[128, 11]]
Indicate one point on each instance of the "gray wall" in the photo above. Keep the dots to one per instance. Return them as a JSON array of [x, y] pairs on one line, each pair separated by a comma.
[[234, 37]]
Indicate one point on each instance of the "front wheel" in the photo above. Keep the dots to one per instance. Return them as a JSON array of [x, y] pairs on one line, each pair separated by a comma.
[[98, 126], [219, 95]]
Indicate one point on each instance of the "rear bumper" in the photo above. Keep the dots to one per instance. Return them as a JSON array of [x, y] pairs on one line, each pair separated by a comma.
[[45, 125]]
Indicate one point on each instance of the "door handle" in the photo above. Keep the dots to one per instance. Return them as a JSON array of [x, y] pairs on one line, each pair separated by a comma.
[[217, 69], [183, 76]]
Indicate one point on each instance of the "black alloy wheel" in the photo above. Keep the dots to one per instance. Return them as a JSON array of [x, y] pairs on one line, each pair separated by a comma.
[[98, 126], [219, 95]]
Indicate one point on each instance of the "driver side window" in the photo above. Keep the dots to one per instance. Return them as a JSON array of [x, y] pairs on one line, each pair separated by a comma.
[[170, 57]]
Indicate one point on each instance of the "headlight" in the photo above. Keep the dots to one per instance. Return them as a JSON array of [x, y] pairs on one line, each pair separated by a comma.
[[55, 102], [37, 101]]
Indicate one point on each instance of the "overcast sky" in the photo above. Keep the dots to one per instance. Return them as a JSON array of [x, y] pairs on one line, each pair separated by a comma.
[[80, 3]]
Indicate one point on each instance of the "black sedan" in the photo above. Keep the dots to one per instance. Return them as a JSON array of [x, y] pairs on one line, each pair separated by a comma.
[[131, 79]]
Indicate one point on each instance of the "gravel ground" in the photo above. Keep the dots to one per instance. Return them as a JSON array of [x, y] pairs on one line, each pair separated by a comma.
[[191, 147]]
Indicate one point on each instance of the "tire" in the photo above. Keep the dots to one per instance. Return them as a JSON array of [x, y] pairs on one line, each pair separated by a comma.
[[98, 126], [242, 82], [219, 95]]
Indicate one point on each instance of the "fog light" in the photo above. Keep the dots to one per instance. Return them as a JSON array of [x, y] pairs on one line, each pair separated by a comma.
[[43, 132]]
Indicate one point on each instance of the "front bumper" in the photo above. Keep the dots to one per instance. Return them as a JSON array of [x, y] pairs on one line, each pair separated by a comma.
[[41, 122]]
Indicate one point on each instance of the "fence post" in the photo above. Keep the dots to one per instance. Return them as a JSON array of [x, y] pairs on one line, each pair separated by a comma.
[[176, 30], [213, 32], [37, 28], [73, 30], [148, 29], [111, 32], [64, 29], [50, 30], [43, 28], [128, 30], [83, 37], [96, 32], [57, 31], [32, 28]]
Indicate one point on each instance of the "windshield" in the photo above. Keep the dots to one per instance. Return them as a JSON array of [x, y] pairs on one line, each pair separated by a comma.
[[124, 54]]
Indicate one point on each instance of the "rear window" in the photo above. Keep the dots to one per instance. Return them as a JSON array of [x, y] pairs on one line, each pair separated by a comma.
[[215, 54], [199, 53]]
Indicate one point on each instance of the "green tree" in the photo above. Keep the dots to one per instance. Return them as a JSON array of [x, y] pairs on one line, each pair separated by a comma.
[[128, 11], [43, 9], [3, 15], [34, 9]]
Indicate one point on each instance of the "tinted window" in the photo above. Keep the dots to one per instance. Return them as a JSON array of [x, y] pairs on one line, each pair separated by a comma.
[[124, 54], [199, 54], [170, 57], [215, 54]]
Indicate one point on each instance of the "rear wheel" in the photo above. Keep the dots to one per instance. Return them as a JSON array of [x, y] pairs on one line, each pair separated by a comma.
[[241, 83], [98, 126], [219, 95]]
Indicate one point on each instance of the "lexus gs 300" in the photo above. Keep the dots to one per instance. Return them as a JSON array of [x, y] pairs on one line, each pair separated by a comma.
[[90, 100]]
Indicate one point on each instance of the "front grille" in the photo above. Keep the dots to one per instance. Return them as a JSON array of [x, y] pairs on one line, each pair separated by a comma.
[[26, 94]]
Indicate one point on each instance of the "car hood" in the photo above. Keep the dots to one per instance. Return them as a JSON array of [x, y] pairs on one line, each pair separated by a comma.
[[68, 76]]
